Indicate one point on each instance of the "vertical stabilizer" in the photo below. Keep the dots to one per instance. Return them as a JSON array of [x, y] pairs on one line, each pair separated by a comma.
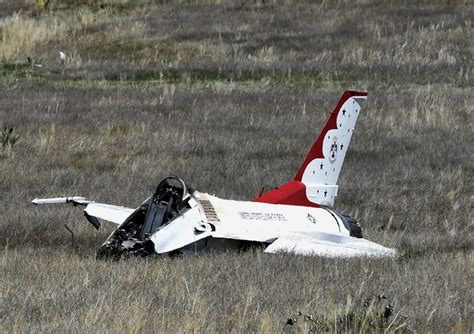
[[321, 168], [316, 181]]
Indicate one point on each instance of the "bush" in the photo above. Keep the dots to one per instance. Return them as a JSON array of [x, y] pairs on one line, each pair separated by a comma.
[[8, 137]]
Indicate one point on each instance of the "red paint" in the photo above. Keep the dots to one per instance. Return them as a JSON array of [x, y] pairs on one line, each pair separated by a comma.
[[294, 192], [291, 193]]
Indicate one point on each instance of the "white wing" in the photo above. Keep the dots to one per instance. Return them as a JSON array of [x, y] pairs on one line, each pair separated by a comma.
[[329, 245], [112, 213]]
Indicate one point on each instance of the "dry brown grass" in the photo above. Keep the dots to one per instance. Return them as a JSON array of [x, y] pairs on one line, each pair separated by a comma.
[[230, 97]]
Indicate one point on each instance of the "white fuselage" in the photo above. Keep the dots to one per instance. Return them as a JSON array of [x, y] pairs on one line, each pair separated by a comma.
[[264, 222], [210, 216]]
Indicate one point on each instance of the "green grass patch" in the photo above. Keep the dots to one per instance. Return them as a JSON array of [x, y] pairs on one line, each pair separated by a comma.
[[19, 71]]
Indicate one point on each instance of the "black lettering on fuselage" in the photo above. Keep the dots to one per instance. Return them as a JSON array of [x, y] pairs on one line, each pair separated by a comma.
[[262, 216]]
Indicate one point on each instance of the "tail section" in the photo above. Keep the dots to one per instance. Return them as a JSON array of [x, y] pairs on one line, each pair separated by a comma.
[[316, 181], [321, 168]]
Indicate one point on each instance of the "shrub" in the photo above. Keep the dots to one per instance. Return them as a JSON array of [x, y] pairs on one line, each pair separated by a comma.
[[42, 4], [8, 137]]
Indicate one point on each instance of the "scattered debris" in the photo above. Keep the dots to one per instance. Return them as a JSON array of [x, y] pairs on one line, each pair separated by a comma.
[[62, 57], [32, 63]]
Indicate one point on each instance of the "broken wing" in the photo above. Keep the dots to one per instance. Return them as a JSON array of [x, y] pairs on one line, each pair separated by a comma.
[[112, 213]]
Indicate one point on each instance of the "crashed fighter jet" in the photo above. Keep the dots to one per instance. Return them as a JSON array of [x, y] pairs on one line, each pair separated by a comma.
[[296, 217]]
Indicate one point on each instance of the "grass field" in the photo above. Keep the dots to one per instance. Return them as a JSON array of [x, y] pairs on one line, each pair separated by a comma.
[[230, 96]]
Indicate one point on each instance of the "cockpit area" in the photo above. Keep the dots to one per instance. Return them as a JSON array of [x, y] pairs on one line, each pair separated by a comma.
[[170, 199]]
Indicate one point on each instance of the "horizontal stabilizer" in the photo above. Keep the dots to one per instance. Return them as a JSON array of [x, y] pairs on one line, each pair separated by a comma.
[[328, 245]]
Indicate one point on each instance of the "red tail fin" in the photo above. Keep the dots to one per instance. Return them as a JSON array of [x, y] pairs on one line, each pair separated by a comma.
[[316, 181]]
